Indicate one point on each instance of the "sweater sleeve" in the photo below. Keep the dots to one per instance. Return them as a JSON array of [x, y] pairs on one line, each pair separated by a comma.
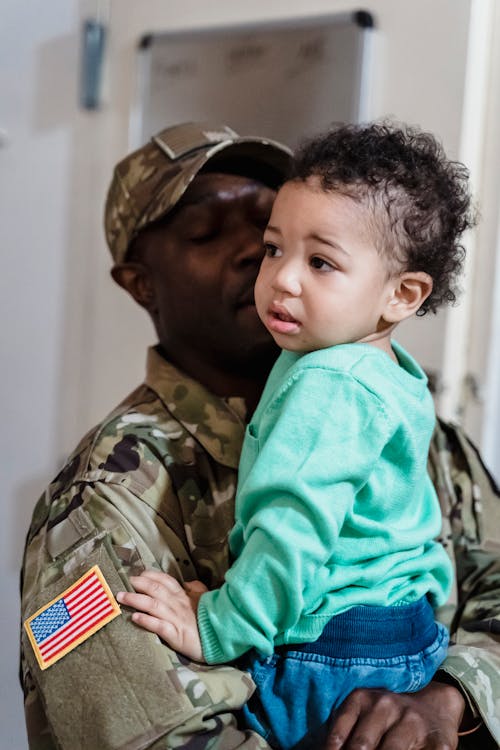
[[315, 445]]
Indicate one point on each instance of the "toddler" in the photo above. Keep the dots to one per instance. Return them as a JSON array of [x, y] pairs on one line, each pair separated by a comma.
[[336, 566]]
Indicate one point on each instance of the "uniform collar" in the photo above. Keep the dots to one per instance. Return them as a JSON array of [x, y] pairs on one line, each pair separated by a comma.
[[216, 423]]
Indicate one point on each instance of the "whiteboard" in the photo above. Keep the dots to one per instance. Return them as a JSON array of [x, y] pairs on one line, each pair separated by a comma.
[[281, 81]]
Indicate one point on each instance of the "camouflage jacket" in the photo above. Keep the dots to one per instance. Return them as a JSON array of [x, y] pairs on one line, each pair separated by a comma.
[[153, 486]]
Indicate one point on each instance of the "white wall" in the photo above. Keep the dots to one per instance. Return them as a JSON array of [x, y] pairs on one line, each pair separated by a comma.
[[37, 107], [482, 401], [489, 404], [71, 343]]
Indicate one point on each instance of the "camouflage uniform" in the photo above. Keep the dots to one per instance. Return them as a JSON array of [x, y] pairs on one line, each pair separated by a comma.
[[153, 486], [470, 504]]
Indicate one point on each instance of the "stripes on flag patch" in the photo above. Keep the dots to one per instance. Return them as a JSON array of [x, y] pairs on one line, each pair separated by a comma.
[[71, 618]]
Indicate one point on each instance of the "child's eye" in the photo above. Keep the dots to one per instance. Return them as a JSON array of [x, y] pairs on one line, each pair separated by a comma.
[[320, 264], [272, 251]]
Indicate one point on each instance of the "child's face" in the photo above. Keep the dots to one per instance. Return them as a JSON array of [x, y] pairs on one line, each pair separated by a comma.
[[322, 281]]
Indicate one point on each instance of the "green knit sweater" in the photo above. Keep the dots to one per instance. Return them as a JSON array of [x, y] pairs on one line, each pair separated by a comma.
[[334, 505]]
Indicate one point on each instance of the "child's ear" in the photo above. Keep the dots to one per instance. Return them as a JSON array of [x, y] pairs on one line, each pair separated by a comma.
[[409, 291]]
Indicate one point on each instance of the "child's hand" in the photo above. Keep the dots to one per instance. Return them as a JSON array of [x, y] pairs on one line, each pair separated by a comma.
[[167, 609]]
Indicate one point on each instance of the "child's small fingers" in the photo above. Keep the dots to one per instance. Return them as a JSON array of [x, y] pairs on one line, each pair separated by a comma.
[[160, 578], [163, 629], [196, 587], [157, 589], [144, 603], [137, 601], [149, 622]]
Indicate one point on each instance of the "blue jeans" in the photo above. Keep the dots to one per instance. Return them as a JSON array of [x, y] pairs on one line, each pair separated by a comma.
[[396, 648]]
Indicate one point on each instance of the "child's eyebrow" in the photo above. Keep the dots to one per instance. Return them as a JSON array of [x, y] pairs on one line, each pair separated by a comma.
[[331, 243], [272, 228], [313, 236]]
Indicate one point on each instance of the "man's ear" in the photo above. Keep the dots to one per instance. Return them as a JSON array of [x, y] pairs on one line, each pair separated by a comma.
[[135, 278], [410, 290]]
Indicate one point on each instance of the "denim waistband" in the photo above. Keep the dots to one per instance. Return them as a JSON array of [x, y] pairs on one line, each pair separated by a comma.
[[367, 631]]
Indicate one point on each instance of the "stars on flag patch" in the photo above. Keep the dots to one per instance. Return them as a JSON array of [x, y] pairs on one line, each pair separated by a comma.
[[72, 617]]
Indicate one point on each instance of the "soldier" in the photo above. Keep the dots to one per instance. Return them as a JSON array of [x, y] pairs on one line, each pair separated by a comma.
[[153, 487]]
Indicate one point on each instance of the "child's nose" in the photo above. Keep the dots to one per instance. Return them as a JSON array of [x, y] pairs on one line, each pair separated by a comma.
[[287, 280]]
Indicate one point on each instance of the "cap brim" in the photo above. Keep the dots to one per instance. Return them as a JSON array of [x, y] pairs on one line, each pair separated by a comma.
[[260, 159]]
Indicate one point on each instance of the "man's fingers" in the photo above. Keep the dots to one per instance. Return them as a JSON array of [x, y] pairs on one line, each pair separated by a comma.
[[412, 735], [374, 718], [344, 721], [381, 720], [414, 732]]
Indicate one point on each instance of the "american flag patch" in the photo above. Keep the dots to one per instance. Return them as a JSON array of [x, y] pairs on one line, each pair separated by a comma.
[[71, 618]]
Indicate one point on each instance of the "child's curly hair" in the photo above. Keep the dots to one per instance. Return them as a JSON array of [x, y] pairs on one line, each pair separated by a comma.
[[419, 200]]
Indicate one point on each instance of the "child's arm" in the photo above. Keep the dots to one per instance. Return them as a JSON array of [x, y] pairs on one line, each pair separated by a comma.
[[167, 609], [299, 475], [287, 516]]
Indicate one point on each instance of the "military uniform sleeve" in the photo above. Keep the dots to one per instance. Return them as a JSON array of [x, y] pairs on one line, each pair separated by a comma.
[[122, 687], [470, 504]]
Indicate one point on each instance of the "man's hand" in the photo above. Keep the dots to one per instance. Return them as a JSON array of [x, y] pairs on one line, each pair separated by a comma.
[[167, 609], [380, 720]]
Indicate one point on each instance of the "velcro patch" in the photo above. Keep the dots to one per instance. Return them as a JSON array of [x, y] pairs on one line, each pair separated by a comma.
[[71, 618]]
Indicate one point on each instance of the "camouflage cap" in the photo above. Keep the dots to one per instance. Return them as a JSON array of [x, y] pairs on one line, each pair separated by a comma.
[[148, 183]]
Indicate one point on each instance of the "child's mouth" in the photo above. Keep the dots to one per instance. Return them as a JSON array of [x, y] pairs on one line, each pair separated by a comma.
[[279, 320]]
